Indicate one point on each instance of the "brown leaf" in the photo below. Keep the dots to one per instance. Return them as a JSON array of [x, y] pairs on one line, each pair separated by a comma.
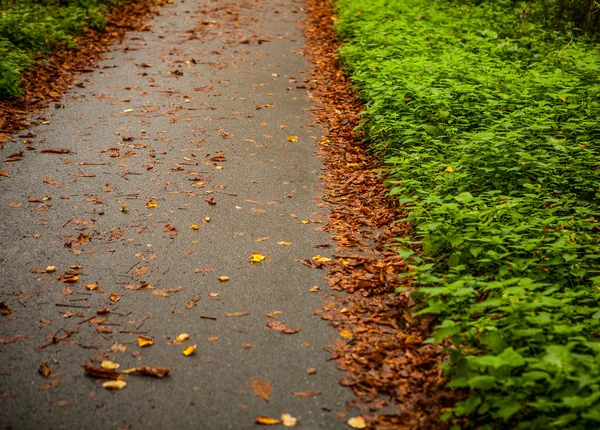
[[100, 373], [261, 388], [306, 393], [4, 173], [155, 371], [4, 309], [14, 339], [237, 314], [282, 327], [141, 270], [45, 370], [50, 385], [171, 230], [192, 302], [55, 151]]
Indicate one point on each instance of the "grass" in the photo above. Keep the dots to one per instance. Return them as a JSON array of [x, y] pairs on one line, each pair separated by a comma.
[[489, 122], [30, 29]]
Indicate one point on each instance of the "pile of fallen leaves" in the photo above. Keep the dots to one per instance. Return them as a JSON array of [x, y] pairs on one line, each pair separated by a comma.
[[381, 346], [49, 79]]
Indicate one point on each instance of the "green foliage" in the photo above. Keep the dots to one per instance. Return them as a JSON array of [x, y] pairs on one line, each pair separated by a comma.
[[30, 28], [490, 131]]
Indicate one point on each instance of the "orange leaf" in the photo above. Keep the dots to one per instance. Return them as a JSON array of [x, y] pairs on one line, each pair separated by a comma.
[[261, 388]]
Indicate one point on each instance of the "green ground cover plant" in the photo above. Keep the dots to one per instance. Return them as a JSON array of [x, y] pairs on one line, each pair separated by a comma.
[[488, 118], [30, 28]]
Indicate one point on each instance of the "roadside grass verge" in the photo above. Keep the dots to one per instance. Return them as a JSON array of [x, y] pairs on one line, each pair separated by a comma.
[[32, 28], [490, 125]]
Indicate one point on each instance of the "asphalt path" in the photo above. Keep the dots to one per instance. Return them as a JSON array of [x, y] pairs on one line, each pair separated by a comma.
[[186, 151]]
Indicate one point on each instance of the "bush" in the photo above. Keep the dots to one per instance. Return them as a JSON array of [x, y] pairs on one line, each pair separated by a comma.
[[490, 132]]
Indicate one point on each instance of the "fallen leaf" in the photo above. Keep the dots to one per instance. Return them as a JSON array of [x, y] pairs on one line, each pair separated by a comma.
[[288, 421], [274, 314], [144, 341], [45, 370], [16, 204], [281, 327], [284, 243], [266, 421], [115, 385], [256, 257], [50, 385], [156, 371], [182, 337], [306, 394], [321, 259], [237, 314], [357, 423], [4, 309], [114, 297], [50, 269], [141, 270], [4, 173], [151, 204], [292, 138], [192, 302], [346, 334], [118, 347], [223, 278], [190, 350], [312, 371], [92, 287], [68, 277], [100, 373], [195, 227], [449, 169], [109, 365], [261, 388], [314, 289], [55, 151]]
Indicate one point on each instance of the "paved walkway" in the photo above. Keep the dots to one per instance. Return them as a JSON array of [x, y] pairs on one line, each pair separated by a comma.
[[203, 116]]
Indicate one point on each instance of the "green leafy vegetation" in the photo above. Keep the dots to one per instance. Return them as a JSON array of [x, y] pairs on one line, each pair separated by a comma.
[[488, 115], [30, 28]]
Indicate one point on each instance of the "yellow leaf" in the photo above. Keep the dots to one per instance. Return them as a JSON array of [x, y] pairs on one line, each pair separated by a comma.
[[114, 297], [128, 110], [151, 204], [266, 421], [305, 221], [213, 294], [288, 421], [114, 385], [292, 138], [351, 164], [321, 259], [357, 423], [91, 286], [182, 337], [346, 334], [449, 169], [124, 208], [284, 243], [109, 365], [256, 258], [145, 341], [50, 269], [194, 226], [344, 262], [206, 219], [223, 278], [190, 350]]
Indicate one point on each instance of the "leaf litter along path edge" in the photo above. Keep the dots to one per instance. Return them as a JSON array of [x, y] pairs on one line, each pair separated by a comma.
[[381, 342], [202, 122]]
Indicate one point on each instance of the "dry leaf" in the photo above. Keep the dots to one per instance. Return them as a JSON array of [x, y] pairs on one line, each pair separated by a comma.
[[115, 385], [118, 347], [182, 337], [144, 341], [292, 138], [223, 278], [4, 309], [306, 394], [194, 226], [100, 373], [4, 173], [50, 269], [273, 314], [45, 370], [320, 259], [155, 371], [92, 287], [192, 302], [141, 270], [55, 151], [314, 289], [151, 204], [109, 365], [190, 350], [346, 334], [261, 388], [237, 314], [266, 421], [281, 327], [288, 421], [284, 243], [357, 423]]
